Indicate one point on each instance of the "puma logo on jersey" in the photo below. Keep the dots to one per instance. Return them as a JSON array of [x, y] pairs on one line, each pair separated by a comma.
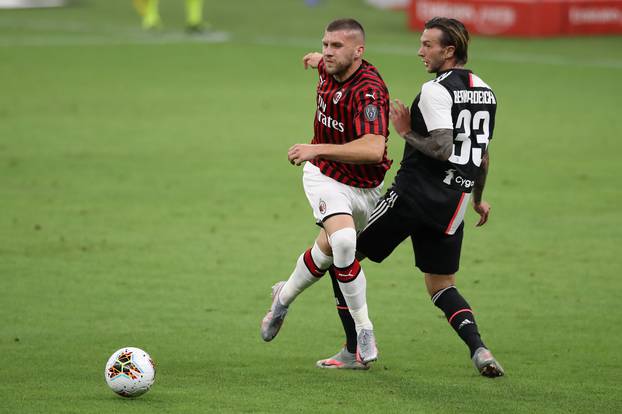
[[370, 95]]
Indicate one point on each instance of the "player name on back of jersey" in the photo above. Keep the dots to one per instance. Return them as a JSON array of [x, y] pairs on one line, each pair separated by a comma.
[[325, 119], [474, 97]]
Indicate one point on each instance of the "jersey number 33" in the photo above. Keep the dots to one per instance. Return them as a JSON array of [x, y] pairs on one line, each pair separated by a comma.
[[471, 126]]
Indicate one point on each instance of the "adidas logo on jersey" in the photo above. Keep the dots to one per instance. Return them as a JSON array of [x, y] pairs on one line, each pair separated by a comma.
[[442, 77]]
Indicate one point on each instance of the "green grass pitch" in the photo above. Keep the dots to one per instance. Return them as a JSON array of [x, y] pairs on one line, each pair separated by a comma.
[[146, 200]]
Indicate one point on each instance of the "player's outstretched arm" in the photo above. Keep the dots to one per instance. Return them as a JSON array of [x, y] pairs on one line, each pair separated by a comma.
[[312, 60], [438, 145], [481, 207], [368, 149]]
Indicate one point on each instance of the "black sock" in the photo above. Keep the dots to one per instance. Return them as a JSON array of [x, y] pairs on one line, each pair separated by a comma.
[[459, 315], [344, 313]]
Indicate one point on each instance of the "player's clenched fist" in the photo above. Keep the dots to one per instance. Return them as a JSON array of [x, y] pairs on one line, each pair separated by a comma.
[[300, 153]]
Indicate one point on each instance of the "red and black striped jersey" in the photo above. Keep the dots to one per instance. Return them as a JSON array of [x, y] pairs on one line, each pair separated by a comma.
[[346, 111]]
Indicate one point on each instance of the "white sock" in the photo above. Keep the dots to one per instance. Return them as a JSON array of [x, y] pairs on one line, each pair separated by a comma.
[[354, 293], [343, 243], [301, 278], [363, 319], [320, 259]]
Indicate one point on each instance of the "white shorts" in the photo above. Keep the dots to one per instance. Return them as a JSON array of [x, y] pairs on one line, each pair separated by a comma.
[[329, 197]]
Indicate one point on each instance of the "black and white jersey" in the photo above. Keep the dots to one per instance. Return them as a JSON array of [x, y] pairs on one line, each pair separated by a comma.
[[459, 100]]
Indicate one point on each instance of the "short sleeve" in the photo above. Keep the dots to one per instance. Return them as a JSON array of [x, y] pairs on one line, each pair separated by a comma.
[[435, 106], [371, 111]]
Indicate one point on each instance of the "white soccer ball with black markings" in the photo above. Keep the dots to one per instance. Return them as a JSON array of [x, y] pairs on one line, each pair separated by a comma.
[[130, 372]]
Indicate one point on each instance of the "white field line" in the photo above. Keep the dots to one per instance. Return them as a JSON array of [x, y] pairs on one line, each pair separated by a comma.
[[82, 34], [399, 50], [110, 40], [77, 34]]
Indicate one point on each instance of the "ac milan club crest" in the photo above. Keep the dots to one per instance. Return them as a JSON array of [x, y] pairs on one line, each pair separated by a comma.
[[322, 207], [337, 97]]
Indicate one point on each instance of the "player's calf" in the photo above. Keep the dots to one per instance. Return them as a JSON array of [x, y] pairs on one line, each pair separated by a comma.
[[350, 276]]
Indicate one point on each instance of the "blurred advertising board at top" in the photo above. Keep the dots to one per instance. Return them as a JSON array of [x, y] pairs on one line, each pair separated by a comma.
[[530, 18], [30, 4]]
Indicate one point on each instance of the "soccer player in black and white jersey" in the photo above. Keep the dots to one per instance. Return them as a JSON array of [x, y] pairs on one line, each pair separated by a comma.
[[345, 167], [444, 167]]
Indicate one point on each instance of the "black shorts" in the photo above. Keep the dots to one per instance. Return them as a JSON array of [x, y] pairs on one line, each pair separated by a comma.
[[393, 220]]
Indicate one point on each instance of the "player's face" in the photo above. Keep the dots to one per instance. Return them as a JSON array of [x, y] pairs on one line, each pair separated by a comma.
[[341, 49], [436, 58]]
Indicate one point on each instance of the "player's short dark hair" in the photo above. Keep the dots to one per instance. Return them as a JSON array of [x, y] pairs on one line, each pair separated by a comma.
[[454, 34], [345, 24]]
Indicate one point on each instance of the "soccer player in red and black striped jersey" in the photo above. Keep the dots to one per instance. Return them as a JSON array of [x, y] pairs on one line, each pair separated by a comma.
[[345, 167], [347, 111]]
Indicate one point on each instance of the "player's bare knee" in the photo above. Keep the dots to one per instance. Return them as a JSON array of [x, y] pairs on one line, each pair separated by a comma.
[[323, 243], [434, 282]]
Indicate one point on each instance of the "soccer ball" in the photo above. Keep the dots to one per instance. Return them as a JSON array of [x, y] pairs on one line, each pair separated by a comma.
[[130, 372]]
